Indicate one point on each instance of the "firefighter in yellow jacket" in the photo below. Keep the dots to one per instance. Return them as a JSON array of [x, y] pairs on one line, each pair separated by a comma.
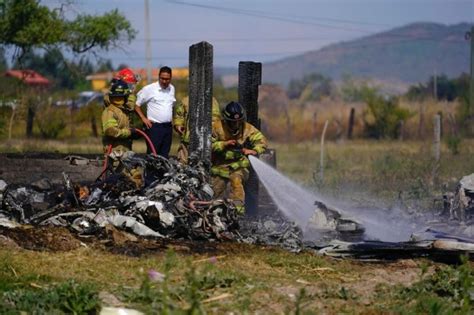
[[131, 79], [117, 134], [233, 139], [181, 124]]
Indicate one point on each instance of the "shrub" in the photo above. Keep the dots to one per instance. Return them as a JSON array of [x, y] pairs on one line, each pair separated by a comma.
[[51, 120], [383, 116]]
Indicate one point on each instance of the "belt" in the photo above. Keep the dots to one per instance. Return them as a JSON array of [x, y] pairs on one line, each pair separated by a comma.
[[161, 124]]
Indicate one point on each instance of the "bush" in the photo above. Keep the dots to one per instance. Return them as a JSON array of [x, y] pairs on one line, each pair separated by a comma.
[[453, 142], [51, 120], [383, 116]]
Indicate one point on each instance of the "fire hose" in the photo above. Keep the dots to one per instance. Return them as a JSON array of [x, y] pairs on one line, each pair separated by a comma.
[[109, 150]]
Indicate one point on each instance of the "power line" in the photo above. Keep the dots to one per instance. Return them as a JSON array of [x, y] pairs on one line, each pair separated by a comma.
[[291, 53], [217, 56], [261, 14], [234, 39], [296, 20], [286, 39]]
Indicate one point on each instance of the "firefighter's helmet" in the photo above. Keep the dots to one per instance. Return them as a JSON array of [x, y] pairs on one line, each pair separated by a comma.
[[234, 112], [234, 117], [128, 76], [119, 88]]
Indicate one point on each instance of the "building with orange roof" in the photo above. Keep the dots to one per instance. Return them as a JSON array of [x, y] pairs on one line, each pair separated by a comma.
[[29, 77]]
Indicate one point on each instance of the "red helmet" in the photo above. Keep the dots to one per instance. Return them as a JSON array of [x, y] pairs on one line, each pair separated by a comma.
[[128, 76]]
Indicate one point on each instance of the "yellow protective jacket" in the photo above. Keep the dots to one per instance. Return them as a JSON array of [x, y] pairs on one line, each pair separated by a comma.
[[227, 160], [180, 116], [129, 105], [116, 127]]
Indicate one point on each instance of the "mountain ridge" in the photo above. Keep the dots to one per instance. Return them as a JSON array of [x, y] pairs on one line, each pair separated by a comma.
[[406, 54]]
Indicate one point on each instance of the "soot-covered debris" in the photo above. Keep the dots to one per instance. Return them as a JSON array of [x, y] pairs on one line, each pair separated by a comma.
[[272, 230], [459, 205], [176, 202]]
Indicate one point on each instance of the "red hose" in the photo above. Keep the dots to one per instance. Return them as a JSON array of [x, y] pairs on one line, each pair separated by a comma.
[[109, 150], [150, 144]]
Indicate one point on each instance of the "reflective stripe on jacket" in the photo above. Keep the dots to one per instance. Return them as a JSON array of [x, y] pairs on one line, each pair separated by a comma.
[[180, 116], [116, 128], [226, 160]]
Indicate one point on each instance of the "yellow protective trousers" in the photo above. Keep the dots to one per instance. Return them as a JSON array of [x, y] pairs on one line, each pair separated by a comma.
[[236, 180]]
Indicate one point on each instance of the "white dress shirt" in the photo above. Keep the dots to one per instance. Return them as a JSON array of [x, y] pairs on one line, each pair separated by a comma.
[[159, 102]]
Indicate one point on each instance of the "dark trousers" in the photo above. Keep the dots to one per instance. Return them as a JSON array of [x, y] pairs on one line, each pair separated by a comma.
[[160, 135]]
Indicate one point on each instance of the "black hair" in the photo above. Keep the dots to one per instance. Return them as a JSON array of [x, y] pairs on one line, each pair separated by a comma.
[[165, 69]]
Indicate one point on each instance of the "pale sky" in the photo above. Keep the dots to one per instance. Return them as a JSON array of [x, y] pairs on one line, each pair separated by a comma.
[[261, 30]]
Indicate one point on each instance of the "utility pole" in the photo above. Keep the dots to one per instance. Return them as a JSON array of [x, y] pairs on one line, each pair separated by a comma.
[[148, 44], [471, 94]]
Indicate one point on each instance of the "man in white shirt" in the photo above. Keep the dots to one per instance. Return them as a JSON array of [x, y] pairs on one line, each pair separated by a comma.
[[160, 99]]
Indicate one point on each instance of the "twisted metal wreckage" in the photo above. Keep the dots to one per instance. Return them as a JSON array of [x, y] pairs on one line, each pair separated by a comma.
[[177, 202]]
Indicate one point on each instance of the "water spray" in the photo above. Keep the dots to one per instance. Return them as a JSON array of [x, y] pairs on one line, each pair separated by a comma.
[[300, 205]]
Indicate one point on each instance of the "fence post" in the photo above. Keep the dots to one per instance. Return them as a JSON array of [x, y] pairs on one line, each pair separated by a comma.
[[436, 146], [321, 159], [351, 123]]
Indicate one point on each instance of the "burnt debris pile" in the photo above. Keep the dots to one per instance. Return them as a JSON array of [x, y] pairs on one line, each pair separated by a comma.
[[459, 205], [272, 230], [175, 202]]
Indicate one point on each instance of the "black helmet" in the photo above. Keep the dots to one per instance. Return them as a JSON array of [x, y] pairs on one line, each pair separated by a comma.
[[119, 88], [234, 112]]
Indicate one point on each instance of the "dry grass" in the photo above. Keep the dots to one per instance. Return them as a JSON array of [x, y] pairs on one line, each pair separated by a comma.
[[305, 122], [82, 146]]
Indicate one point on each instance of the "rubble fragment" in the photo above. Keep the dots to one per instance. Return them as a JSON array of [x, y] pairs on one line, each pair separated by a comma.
[[176, 202], [460, 204]]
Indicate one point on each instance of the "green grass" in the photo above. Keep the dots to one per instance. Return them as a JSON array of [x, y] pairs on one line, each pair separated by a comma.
[[243, 279]]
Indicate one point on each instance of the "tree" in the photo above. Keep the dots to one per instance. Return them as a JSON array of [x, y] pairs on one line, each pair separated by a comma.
[[26, 24], [3, 60], [105, 66], [311, 87], [52, 64], [446, 89], [354, 90]]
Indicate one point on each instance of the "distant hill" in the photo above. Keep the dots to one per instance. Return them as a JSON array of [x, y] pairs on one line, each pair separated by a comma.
[[406, 55]]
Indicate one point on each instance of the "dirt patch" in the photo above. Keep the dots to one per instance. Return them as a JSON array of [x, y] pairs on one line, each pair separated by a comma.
[[116, 241], [403, 272], [42, 238]]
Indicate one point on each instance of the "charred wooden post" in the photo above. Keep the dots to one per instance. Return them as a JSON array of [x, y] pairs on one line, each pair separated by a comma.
[[351, 123], [250, 77], [200, 103]]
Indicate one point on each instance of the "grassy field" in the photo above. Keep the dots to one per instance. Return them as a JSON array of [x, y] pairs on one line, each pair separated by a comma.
[[240, 279]]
